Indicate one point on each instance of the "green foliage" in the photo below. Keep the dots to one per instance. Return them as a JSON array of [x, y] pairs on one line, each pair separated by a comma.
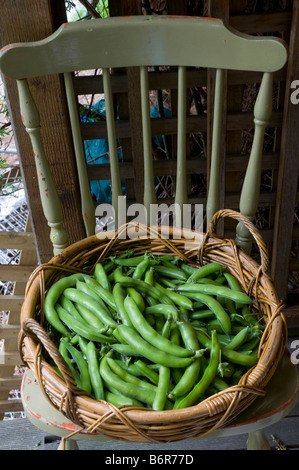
[[8, 188], [103, 8], [4, 119], [76, 11]]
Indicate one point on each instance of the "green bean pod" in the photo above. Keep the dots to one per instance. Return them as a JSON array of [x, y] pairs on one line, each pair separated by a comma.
[[103, 293], [166, 310], [66, 356], [162, 389], [52, 297], [108, 266], [172, 272], [119, 297], [129, 378], [126, 350], [213, 282], [135, 340], [191, 373], [132, 390], [143, 369], [238, 357], [175, 337], [175, 297], [169, 260], [91, 319], [250, 344], [234, 285], [215, 324], [238, 339], [88, 289], [149, 276], [131, 261], [249, 317], [94, 373], [129, 366], [137, 297], [225, 369], [83, 342], [202, 314], [171, 283], [164, 381], [83, 380], [121, 400], [216, 307], [101, 277], [219, 384], [69, 306], [205, 271], [141, 268], [81, 328], [209, 375], [141, 286], [210, 289], [150, 334], [90, 303], [189, 270]]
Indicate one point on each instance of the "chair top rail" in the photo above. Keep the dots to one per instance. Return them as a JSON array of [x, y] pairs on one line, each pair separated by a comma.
[[161, 40]]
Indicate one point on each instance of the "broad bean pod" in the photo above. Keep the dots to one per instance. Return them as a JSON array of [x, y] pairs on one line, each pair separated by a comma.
[[210, 289], [81, 328], [208, 376], [121, 400], [135, 340], [132, 390], [103, 293], [166, 310], [52, 297], [90, 303], [101, 277], [171, 271], [216, 307], [150, 334], [129, 378], [119, 297], [205, 271], [191, 373], [175, 297], [83, 380], [94, 373]]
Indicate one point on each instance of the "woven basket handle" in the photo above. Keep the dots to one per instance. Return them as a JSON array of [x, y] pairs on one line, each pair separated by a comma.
[[223, 213], [32, 328]]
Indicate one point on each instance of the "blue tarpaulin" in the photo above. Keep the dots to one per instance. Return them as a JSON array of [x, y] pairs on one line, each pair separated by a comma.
[[97, 151]]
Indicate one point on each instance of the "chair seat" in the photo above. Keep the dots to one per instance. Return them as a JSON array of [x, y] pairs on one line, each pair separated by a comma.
[[265, 411]]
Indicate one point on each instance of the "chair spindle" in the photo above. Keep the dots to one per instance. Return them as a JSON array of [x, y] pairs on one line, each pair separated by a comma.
[[251, 186], [116, 188], [181, 196], [149, 186], [213, 191], [87, 206]]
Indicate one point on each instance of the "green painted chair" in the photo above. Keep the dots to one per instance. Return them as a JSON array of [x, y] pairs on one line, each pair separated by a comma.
[[142, 42]]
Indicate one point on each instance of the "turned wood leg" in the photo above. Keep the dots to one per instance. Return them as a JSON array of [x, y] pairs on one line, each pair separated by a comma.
[[257, 441], [69, 444]]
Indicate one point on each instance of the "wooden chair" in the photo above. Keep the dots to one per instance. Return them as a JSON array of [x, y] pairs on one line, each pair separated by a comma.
[[141, 42], [144, 42]]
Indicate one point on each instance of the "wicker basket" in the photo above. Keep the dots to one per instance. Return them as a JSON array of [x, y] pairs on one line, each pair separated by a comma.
[[136, 424]]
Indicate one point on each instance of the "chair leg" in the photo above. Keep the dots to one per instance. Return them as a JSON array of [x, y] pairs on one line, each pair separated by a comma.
[[257, 441], [69, 444]]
